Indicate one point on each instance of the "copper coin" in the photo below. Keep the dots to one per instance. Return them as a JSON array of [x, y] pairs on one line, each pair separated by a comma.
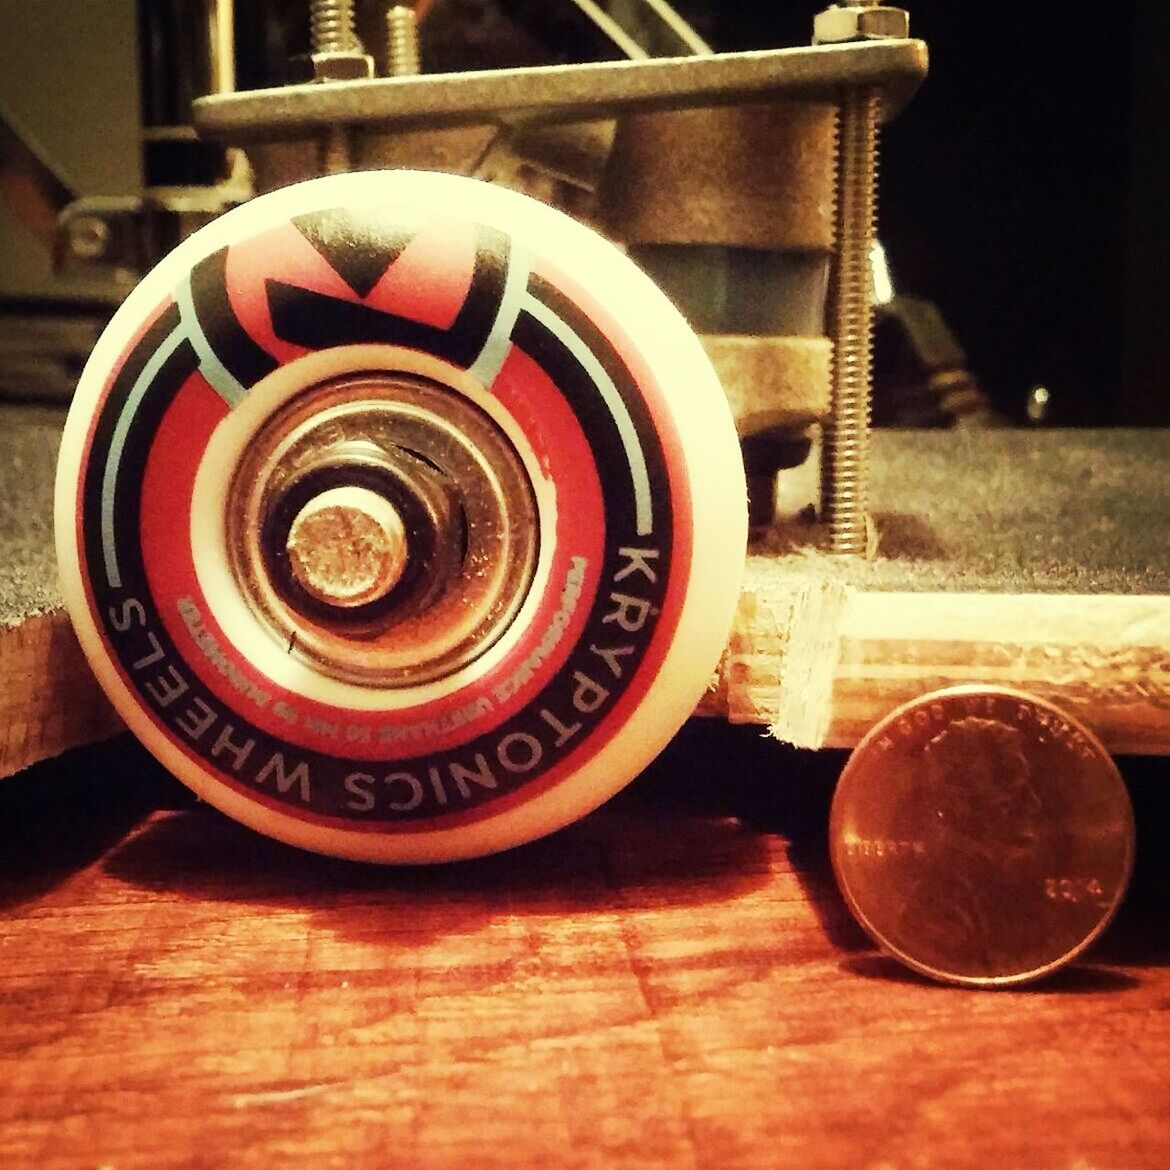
[[982, 836]]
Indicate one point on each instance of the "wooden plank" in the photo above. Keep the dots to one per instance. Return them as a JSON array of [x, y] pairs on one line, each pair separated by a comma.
[[661, 985], [49, 700], [1103, 658], [820, 663]]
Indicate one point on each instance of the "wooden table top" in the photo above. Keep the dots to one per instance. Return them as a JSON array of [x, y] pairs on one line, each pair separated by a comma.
[[673, 982]]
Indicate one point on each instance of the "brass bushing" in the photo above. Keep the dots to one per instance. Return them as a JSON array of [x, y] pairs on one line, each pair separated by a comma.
[[279, 161], [730, 210]]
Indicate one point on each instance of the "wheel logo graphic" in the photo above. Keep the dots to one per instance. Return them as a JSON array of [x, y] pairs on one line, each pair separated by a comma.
[[400, 516]]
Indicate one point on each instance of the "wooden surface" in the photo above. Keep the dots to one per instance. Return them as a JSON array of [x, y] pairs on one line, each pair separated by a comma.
[[672, 983], [49, 699], [1036, 559], [820, 662], [814, 660]]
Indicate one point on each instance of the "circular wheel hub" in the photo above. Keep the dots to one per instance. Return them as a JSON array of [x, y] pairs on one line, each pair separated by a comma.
[[383, 528]]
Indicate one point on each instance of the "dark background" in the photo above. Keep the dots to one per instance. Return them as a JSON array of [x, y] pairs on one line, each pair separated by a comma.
[[1024, 192]]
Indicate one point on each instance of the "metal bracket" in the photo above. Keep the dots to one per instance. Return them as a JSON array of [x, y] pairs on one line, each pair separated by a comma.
[[567, 93]]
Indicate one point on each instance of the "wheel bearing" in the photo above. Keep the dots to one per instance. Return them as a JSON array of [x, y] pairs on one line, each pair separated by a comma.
[[383, 528]]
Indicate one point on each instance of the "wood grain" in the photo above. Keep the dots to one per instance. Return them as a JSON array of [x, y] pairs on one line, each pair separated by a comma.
[[820, 662], [49, 699], [671, 983]]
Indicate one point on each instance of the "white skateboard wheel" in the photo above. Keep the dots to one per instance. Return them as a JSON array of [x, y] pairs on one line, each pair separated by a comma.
[[400, 516]]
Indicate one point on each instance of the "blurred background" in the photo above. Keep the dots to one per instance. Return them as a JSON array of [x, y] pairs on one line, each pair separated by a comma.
[[1024, 191]]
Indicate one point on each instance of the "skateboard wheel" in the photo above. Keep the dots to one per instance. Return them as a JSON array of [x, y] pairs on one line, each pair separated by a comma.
[[400, 516]]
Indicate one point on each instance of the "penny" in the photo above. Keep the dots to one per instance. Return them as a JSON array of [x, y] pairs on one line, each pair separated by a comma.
[[982, 836]]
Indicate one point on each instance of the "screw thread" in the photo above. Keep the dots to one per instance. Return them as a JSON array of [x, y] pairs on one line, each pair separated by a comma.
[[335, 151], [846, 450], [331, 28], [402, 42]]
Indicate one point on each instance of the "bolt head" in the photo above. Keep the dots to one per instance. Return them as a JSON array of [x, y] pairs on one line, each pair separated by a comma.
[[859, 23], [88, 236]]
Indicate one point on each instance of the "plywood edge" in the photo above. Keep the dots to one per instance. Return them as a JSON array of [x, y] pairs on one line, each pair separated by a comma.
[[1102, 657], [49, 699]]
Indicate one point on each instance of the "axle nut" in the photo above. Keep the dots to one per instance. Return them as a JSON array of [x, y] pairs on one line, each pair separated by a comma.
[[860, 23]]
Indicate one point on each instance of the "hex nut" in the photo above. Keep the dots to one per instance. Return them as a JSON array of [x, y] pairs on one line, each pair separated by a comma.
[[350, 65], [856, 23]]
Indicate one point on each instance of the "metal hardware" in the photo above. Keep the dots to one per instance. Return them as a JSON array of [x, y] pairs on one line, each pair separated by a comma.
[[88, 237], [348, 546], [644, 28], [402, 57], [383, 528], [846, 462], [658, 28], [221, 37], [845, 467], [859, 21], [566, 93], [331, 26], [116, 236], [336, 57]]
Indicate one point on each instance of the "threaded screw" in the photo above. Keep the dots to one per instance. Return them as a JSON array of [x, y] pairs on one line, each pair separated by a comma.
[[402, 58], [331, 27], [845, 486], [331, 30], [845, 457]]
